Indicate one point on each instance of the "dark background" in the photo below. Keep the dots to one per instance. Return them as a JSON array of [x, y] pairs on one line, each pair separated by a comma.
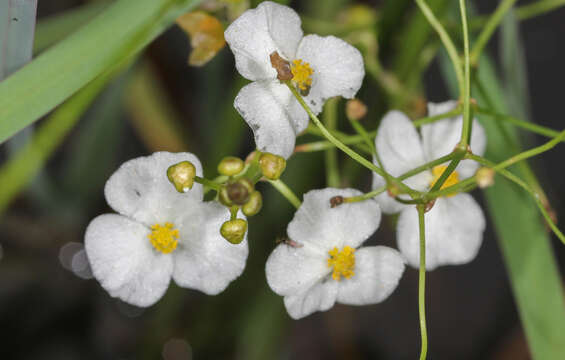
[[50, 308]]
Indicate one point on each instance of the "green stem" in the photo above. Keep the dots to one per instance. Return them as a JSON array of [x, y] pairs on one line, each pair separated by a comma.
[[446, 40], [467, 121], [457, 157], [286, 192], [523, 12], [532, 152], [510, 161], [537, 129], [404, 176], [330, 119], [207, 183], [537, 8], [422, 282], [365, 196], [355, 140], [489, 29], [535, 195], [355, 156], [365, 135], [431, 119]]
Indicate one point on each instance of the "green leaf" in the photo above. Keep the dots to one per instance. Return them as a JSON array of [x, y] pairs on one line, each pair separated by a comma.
[[55, 28], [524, 241], [110, 39], [21, 168]]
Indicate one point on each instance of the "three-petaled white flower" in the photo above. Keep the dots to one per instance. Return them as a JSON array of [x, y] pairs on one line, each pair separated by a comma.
[[326, 66], [455, 224], [160, 233], [322, 265]]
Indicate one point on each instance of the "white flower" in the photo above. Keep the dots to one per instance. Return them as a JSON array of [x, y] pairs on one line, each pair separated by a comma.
[[455, 225], [158, 234], [268, 106], [323, 266]]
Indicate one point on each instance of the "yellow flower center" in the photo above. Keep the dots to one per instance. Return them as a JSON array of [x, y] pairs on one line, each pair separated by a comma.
[[343, 262], [301, 74], [452, 179], [164, 238]]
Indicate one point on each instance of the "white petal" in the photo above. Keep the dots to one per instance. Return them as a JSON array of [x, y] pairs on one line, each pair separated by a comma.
[[454, 232], [273, 114], [315, 222], [140, 189], [124, 262], [400, 150], [377, 272], [204, 260], [338, 68], [293, 270], [441, 108], [398, 144], [320, 297], [441, 137], [257, 33]]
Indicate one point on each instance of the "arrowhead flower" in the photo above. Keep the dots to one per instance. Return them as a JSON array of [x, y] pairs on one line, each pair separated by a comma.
[[321, 67], [455, 224], [324, 263], [160, 234]]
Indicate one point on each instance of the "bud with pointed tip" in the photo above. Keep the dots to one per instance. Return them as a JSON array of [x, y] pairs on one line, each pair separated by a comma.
[[182, 175], [234, 230], [253, 205], [272, 166], [230, 165]]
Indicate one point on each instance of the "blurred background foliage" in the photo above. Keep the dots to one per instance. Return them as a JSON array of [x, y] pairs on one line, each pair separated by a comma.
[[124, 102]]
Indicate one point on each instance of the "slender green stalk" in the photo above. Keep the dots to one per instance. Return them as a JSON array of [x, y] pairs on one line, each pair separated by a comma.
[[446, 40], [332, 168], [537, 129], [361, 160], [467, 121], [422, 282], [404, 176], [489, 29], [365, 135], [532, 152], [515, 179], [207, 183], [537, 8], [286, 192], [457, 157], [365, 196], [523, 12], [324, 145], [432, 194], [431, 119]]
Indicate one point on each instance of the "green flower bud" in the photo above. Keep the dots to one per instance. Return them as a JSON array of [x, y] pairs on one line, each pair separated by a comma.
[[230, 166], [182, 175], [234, 230], [253, 205], [272, 166], [239, 191]]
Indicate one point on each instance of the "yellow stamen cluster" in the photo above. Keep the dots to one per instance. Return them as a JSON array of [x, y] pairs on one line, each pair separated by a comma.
[[452, 179], [301, 74], [343, 262], [164, 238]]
